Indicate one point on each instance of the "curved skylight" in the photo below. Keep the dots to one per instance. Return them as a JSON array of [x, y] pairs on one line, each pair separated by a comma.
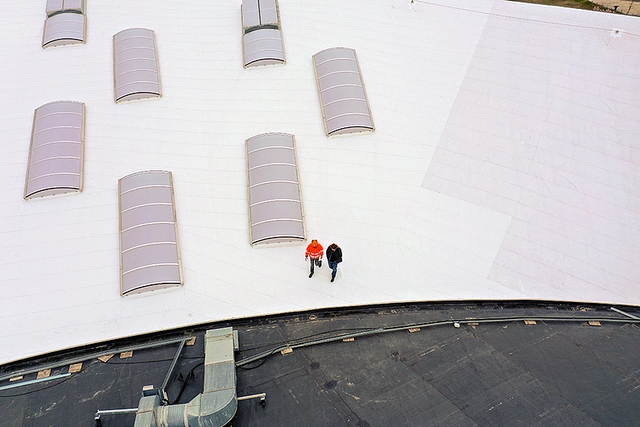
[[262, 47], [345, 107], [56, 152], [250, 13], [57, 6], [136, 74], [275, 206], [257, 13], [64, 29], [269, 12], [150, 257], [262, 37]]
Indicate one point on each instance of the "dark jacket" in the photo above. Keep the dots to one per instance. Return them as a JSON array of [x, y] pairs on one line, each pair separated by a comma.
[[334, 253]]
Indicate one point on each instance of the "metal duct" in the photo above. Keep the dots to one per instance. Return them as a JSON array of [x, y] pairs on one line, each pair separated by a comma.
[[216, 405]]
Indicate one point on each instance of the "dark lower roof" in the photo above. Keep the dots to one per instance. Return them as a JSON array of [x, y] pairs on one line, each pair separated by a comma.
[[491, 370]]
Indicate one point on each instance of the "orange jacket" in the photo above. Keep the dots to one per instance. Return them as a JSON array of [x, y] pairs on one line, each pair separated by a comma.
[[314, 253]]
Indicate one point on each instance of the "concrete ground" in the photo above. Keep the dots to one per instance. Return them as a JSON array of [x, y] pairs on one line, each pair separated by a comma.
[[624, 6]]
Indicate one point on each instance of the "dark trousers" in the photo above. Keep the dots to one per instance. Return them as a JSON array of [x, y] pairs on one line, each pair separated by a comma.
[[334, 269], [317, 262]]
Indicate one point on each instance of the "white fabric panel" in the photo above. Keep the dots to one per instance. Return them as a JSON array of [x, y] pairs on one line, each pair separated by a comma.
[[538, 132], [456, 239]]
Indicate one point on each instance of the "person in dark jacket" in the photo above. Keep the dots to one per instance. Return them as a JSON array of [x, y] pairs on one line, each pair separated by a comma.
[[334, 257]]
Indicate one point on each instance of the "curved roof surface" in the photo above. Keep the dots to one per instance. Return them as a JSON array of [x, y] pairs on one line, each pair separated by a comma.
[[505, 163]]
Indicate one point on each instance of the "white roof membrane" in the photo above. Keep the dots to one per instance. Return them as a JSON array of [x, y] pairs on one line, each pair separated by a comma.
[[524, 140], [56, 151], [504, 163]]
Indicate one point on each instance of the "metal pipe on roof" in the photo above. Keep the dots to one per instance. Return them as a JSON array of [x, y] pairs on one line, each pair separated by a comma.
[[625, 313], [173, 364], [95, 355], [38, 380], [116, 411]]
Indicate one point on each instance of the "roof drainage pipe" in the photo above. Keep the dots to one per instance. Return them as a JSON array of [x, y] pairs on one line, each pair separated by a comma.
[[217, 404]]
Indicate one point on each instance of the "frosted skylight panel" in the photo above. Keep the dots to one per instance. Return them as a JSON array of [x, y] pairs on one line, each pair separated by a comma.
[[262, 37], [262, 47], [275, 205], [56, 152], [136, 74], [250, 13], [150, 257], [269, 12], [343, 99], [259, 13], [64, 29], [54, 6], [57, 6]]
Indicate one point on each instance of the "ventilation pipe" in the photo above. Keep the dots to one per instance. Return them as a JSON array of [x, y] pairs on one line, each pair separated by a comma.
[[218, 402]]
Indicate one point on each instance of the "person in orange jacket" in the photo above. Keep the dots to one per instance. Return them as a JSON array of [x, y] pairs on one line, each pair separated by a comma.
[[314, 252]]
